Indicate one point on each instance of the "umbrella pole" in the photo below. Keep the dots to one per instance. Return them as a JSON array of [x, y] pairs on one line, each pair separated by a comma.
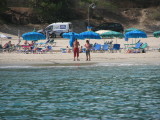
[[132, 42]]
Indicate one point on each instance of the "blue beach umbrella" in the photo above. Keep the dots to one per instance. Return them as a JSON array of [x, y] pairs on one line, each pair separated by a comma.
[[89, 35], [33, 36], [136, 34], [72, 36]]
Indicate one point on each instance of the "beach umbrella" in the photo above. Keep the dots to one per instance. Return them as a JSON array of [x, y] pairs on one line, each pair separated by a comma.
[[136, 34], [33, 36], [70, 34], [156, 34], [112, 34], [102, 31], [130, 29], [89, 35]]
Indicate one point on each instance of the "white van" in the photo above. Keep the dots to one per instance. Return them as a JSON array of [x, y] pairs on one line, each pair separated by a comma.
[[59, 28]]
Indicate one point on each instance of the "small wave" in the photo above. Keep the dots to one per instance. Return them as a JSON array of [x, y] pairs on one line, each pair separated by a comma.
[[118, 64], [13, 67], [43, 66], [79, 65]]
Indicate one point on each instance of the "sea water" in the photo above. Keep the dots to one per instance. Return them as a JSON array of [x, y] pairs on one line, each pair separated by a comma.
[[111, 92]]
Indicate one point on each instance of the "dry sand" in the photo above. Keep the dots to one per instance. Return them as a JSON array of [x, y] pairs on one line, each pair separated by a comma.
[[56, 58]]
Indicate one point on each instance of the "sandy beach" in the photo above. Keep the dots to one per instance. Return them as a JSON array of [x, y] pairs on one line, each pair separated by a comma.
[[56, 57]]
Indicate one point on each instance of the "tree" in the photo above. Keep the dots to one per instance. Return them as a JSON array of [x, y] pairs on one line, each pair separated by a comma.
[[3, 6], [52, 10]]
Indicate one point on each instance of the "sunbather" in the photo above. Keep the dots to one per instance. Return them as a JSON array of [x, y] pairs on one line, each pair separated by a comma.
[[68, 50], [7, 45]]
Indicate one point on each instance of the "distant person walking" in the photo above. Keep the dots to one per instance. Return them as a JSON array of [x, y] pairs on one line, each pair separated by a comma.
[[76, 49], [88, 47]]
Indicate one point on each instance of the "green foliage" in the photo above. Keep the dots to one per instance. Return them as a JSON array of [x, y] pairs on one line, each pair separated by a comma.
[[3, 5], [64, 10], [52, 10], [154, 14]]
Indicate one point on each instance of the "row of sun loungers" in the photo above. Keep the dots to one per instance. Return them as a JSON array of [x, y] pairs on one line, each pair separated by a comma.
[[137, 48]]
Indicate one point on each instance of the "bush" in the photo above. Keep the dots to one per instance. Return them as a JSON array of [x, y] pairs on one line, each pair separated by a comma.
[[154, 14]]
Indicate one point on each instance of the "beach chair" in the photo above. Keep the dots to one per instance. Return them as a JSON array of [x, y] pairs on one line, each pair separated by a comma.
[[83, 50], [97, 47], [138, 45], [52, 42], [116, 47], [134, 49], [63, 50], [105, 47], [1, 48], [143, 47]]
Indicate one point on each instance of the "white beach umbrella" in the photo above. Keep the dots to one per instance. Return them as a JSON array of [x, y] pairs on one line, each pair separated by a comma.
[[102, 31]]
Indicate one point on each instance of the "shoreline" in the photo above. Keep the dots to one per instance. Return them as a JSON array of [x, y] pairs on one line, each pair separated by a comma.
[[66, 59]]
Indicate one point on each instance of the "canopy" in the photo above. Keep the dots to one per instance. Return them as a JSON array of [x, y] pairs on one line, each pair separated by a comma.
[[89, 35], [135, 34], [112, 34], [33, 36], [130, 29], [102, 31], [70, 34], [156, 34]]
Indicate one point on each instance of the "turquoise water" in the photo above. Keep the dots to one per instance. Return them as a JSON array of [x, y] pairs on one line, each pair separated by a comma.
[[80, 93]]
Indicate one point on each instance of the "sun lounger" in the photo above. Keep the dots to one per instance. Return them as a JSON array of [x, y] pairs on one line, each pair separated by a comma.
[[143, 47], [116, 47], [63, 50], [97, 47], [105, 47], [134, 49]]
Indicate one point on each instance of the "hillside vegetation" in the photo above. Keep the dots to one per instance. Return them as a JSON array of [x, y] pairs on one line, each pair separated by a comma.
[[143, 14]]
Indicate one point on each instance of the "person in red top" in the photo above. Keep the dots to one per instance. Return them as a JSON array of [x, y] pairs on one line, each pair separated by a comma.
[[76, 49], [31, 45], [88, 47]]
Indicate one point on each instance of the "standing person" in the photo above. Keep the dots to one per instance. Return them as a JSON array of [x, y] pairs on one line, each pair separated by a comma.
[[88, 47], [76, 49]]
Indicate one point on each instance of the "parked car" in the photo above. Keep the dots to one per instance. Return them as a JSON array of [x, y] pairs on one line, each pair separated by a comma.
[[57, 29], [109, 26]]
